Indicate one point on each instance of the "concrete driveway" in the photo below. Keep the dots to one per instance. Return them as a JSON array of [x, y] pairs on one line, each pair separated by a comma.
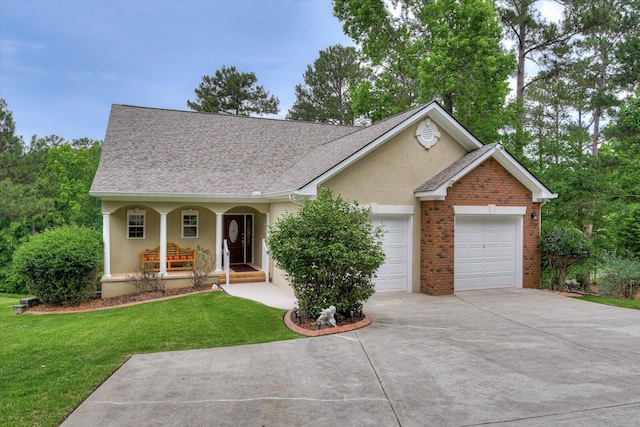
[[507, 358]]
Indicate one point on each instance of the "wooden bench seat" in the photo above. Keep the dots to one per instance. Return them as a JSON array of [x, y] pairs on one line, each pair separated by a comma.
[[177, 258]]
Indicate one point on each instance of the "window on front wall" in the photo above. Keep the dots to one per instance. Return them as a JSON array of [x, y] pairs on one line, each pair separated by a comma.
[[189, 223], [135, 224]]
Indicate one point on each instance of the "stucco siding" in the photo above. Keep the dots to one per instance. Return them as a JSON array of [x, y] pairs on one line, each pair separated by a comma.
[[278, 276], [390, 174]]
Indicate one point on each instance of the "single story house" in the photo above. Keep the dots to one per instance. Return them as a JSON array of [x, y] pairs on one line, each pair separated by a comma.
[[459, 215]]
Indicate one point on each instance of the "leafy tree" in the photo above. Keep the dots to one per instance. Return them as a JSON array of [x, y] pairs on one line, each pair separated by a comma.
[[233, 92], [623, 153], [624, 141], [535, 38], [565, 116], [562, 247], [61, 266], [330, 251], [393, 48], [43, 184], [325, 96], [466, 68], [599, 50], [67, 178], [448, 50], [9, 142]]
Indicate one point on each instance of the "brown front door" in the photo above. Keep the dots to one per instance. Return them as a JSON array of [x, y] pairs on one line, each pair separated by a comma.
[[238, 232]]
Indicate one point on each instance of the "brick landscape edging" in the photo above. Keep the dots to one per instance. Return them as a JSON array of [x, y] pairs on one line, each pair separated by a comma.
[[366, 321]]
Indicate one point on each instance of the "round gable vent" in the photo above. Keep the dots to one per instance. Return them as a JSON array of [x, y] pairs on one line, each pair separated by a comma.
[[427, 133]]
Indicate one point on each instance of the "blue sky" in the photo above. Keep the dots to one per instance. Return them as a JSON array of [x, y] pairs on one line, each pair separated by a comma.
[[63, 63]]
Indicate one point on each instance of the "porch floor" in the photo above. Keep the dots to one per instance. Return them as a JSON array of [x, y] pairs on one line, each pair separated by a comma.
[[234, 277]]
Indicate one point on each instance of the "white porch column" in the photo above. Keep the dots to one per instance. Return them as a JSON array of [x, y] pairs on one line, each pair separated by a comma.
[[268, 224], [266, 267], [163, 244], [106, 240], [219, 242]]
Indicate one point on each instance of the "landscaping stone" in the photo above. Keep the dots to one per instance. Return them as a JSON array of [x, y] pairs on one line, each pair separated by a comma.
[[19, 309], [30, 302]]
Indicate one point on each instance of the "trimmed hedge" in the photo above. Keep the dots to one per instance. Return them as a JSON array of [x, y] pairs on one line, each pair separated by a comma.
[[61, 266]]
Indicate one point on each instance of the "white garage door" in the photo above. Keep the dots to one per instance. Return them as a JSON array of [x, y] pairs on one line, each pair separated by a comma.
[[393, 275], [485, 252]]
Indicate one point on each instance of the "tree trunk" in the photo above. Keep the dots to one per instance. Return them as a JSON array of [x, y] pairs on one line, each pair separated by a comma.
[[520, 139]]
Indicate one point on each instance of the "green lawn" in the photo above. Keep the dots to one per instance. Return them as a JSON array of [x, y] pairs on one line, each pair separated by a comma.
[[50, 363], [626, 303]]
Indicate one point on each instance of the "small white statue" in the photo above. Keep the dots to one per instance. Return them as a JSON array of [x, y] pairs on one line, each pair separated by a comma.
[[326, 317]]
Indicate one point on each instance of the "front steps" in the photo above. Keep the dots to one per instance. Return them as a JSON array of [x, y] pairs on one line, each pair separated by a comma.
[[245, 277]]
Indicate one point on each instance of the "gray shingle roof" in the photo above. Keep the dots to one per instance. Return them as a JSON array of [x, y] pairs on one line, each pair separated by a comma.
[[453, 169], [324, 157], [157, 152]]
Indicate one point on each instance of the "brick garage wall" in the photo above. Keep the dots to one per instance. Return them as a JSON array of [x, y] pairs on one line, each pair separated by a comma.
[[487, 184]]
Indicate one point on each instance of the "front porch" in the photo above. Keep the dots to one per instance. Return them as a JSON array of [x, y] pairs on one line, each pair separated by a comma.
[[117, 284], [167, 235]]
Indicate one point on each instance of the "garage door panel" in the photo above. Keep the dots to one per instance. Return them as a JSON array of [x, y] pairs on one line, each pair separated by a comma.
[[393, 275], [485, 252]]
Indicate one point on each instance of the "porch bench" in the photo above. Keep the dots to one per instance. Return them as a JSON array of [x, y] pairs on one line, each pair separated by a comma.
[[177, 258]]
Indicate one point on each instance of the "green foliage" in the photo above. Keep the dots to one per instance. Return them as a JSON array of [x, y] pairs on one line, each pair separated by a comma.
[[625, 228], [10, 143], [447, 50], [67, 179], [233, 92], [561, 247], [465, 67], [11, 282], [42, 185], [330, 252], [61, 266], [325, 96], [52, 363], [383, 96], [616, 274]]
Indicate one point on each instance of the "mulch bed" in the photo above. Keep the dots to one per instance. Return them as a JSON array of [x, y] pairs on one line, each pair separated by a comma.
[[308, 326], [119, 301]]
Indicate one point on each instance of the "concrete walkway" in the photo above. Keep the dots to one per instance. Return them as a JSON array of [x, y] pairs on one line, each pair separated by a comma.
[[264, 293], [503, 358]]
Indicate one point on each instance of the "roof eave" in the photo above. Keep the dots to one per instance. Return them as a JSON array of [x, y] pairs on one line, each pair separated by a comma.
[[438, 195], [177, 197]]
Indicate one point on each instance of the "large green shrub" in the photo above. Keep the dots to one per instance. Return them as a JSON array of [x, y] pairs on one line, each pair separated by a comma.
[[561, 247], [61, 266], [330, 251], [615, 276]]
